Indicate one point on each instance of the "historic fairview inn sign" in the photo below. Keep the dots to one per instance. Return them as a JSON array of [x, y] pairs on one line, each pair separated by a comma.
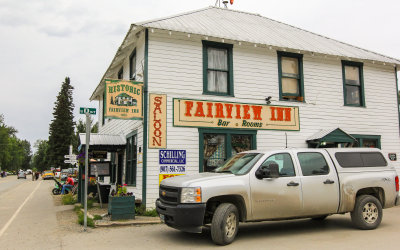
[[123, 99], [212, 114]]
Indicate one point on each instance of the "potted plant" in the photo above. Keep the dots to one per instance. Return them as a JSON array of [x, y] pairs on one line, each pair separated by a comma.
[[121, 204]]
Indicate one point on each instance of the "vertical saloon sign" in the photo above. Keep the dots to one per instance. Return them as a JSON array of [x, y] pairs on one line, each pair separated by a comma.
[[158, 121], [212, 114], [123, 99]]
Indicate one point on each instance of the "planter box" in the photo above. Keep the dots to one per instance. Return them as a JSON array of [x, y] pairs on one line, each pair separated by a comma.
[[121, 208]]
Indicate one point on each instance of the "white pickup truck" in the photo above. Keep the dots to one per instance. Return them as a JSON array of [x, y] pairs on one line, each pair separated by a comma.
[[281, 184]]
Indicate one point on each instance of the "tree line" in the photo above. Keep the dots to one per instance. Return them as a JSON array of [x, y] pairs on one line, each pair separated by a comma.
[[16, 154]]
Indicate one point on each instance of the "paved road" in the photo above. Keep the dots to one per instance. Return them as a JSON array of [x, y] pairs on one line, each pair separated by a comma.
[[35, 226]]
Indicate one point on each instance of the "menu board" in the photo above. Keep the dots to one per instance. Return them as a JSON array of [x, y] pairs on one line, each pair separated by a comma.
[[103, 168]]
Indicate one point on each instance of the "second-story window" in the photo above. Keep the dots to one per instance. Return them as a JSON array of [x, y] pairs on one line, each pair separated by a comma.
[[290, 67], [121, 73], [353, 86], [217, 68], [132, 65]]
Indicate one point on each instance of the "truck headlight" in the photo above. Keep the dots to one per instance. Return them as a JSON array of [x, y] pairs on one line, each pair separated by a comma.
[[191, 195]]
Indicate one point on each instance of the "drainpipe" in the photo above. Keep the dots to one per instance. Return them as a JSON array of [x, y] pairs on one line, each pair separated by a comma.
[[397, 96], [145, 118]]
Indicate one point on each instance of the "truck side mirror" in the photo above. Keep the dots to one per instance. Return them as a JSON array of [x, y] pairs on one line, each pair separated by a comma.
[[273, 170]]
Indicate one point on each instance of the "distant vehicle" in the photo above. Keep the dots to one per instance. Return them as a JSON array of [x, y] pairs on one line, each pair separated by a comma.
[[47, 175], [21, 174], [64, 174], [28, 171], [57, 174]]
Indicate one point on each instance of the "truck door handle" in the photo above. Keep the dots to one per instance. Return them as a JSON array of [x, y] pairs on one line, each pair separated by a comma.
[[329, 181], [292, 183]]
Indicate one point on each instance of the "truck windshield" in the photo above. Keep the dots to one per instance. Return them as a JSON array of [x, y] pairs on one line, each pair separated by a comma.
[[239, 164]]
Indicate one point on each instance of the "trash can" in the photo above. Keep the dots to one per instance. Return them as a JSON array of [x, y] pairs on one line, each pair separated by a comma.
[[104, 191]]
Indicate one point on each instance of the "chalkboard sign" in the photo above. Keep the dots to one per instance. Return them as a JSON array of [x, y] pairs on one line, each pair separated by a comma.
[[103, 168]]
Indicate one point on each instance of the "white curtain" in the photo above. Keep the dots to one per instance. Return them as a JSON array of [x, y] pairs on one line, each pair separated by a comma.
[[217, 60]]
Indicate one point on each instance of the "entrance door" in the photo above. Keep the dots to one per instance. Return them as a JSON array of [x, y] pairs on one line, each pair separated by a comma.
[[280, 197], [119, 168], [216, 146]]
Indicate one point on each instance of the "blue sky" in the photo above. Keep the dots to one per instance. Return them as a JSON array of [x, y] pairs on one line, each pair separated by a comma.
[[43, 41]]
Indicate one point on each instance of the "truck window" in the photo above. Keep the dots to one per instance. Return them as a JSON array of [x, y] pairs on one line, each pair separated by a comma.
[[313, 163], [360, 159], [284, 162]]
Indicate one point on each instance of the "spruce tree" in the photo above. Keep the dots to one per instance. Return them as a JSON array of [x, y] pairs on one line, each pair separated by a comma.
[[61, 130]]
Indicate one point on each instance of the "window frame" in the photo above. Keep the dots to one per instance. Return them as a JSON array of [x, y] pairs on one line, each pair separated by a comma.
[[131, 175], [228, 141], [361, 138], [132, 71], [301, 97], [120, 74], [229, 48], [360, 66], [312, 152]]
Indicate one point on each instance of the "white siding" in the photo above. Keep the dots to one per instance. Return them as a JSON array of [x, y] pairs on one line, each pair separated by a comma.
[[176, 69], [124, 127]]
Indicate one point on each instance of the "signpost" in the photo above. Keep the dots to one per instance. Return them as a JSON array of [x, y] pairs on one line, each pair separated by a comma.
[[87, 112]]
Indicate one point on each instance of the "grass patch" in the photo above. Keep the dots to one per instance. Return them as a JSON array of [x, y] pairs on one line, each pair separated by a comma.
[[141, 211], [90, 222], [97, 217], [68, 199]]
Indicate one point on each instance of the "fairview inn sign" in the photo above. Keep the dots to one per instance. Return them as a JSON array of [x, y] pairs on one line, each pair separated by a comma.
[[211, 114], [123, 99]]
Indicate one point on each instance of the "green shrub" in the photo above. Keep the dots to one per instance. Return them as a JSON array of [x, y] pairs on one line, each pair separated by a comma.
[[141, 211], [97, 217], [68, 199]]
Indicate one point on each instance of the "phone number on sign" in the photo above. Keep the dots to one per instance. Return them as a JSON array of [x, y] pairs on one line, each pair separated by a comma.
[[172, 169]]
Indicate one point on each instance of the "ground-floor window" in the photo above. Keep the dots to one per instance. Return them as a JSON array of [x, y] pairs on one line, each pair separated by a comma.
[[131, 159], [217, 145], [368, 141]]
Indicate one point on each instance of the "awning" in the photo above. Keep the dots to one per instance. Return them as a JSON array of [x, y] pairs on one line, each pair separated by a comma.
[[104, 142], [335, 135]]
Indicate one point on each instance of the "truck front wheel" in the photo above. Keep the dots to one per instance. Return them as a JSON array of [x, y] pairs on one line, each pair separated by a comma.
[[225, 224], [367, 213]]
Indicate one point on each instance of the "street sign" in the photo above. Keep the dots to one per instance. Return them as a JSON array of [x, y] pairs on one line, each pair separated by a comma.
[[70, 161], [91, 111], [70, 156]]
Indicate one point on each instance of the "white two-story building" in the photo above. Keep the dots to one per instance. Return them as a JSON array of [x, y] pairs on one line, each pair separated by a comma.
[[217, 82]]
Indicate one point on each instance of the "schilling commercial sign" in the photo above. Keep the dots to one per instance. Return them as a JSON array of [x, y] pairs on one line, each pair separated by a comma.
[[123, 99], [200, 113]]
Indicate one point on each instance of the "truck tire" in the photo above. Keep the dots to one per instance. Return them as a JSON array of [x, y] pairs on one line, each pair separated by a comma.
[[225, 224], [367, 213]]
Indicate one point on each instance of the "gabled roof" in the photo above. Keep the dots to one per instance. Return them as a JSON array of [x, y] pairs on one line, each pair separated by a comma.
[[215, 22], [254, 28], [331, 135]]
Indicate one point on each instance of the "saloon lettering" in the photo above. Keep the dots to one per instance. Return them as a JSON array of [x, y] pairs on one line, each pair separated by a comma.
[[157, 122]]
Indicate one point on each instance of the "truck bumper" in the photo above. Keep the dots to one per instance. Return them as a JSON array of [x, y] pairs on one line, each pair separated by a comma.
[[398, 200], [184, 217]]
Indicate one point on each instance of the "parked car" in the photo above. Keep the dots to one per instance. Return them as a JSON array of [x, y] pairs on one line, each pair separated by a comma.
[[21, 174], [57, 174], [279, 185], [28, 171], [64, 174], [47, 175]]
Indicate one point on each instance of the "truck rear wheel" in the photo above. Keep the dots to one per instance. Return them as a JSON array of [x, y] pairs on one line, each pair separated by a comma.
[[225, 224], [367, 213]]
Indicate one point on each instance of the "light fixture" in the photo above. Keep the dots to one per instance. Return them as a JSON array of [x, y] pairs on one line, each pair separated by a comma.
[[268, 100]]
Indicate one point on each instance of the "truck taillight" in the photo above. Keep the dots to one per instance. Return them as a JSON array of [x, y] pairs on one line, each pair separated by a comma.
[[397, 183]]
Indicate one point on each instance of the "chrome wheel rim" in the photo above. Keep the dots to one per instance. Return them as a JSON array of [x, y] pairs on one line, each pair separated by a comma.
[[370, 212], [230, 226]]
